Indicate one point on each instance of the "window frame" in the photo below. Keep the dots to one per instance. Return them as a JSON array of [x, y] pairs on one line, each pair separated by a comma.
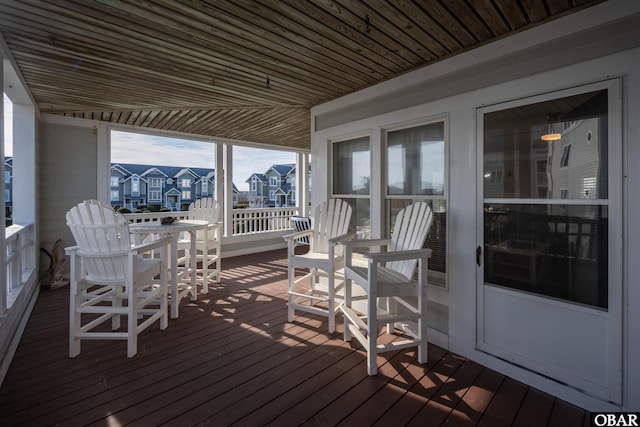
[[436, 278], [352, 199]]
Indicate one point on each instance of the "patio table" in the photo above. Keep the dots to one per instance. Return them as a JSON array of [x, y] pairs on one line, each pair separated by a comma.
[[141, 230]]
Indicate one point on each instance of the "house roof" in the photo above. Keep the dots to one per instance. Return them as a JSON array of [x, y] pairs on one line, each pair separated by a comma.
[[284, 189], [262, 177], [205, 67], [153, 170], [167, 171], [283, 170]]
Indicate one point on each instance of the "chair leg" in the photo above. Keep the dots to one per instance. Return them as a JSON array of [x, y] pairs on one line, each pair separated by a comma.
[[347, 304], [74, 321], [290, 310], [422, 320], [205, 266], [372, 335], [331, 303], [116, 302], [164, 299], [132, 319]]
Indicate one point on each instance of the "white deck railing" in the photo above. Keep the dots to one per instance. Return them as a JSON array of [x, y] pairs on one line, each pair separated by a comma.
[[244, 221], [20, 263], [262, 220]]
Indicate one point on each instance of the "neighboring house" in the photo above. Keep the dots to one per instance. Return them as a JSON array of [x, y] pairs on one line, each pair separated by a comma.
[[157, 187], [274, 188], [258, 194]]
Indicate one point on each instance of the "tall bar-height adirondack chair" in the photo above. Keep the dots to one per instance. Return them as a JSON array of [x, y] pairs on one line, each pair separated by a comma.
[[325, 256], [205, 209], [110, 278], [389, 274]]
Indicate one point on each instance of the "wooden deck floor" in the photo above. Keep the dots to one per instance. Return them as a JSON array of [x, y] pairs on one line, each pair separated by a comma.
[[232, 358]]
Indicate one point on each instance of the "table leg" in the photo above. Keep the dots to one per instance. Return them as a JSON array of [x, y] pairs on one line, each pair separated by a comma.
[[205, 262], [193, 266], [175, 296]]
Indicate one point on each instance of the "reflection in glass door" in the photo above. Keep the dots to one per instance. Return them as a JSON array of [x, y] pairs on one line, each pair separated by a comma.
[[546, 208]]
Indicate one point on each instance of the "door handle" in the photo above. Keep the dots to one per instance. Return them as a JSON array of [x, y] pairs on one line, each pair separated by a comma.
[[478, 254]]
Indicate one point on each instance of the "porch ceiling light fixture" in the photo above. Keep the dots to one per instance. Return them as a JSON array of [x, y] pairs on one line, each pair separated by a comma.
[[550, 135]]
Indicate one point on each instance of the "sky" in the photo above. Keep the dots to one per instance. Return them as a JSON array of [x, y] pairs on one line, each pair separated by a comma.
[[164, 151]]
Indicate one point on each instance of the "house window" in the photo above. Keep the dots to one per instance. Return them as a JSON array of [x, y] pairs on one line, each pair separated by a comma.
[[154, 195], [415, 166], [135, 185], [7, 177], [185, 182], [115, 181], [351, 175], [566, 151], [253, 185], [115, 195], [272, 195], [186, 195], [273, 181], [205, 186], [155, 182], [564, 193]]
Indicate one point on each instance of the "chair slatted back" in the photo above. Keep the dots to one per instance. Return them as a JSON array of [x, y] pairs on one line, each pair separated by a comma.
[[104, 241], [409, 233], [205, 209], [331, 220]]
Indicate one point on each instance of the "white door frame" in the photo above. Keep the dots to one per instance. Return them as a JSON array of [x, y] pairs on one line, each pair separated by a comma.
[[573, 344]]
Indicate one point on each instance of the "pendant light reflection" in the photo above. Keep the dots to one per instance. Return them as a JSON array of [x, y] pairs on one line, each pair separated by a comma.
[[551, 135]]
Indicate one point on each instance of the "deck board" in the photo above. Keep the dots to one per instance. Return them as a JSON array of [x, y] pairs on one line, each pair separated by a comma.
[[231, 358]]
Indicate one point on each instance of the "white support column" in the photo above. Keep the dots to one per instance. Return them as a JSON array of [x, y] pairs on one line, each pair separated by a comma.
[[377, 191], [302, 183], [103, 173], [227, 156]]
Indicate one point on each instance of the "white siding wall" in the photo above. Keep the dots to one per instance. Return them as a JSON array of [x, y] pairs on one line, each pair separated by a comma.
[[67, 176], [398, 101]]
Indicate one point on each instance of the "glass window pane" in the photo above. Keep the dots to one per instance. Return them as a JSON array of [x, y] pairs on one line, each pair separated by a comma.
[[554, 250], [415, 160], [351, 167], [519, 164]]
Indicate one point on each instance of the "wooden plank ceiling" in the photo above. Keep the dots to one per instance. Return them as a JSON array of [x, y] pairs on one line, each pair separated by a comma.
[[241, 69]]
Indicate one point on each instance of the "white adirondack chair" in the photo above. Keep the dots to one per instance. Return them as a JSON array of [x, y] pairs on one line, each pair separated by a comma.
[[110, 278], [389, 275], [206, 209], [325, 256]]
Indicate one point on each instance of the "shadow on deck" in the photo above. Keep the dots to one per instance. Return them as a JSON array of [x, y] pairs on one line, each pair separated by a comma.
[[232, 358]]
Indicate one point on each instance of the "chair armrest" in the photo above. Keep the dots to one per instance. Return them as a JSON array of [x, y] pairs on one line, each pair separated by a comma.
[[364, 243], [149, 246], [398, 255], [71, 250], [342, 239], [297, 235], [213, 225]]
